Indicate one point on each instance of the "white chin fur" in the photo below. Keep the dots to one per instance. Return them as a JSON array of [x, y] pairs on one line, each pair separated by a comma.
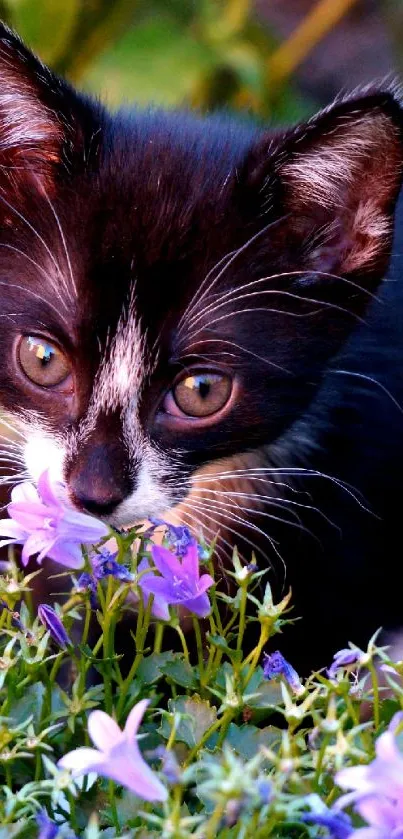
[[42, 453]]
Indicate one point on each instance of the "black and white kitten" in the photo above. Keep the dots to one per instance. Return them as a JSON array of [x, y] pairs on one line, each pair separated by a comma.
[[173, 291]]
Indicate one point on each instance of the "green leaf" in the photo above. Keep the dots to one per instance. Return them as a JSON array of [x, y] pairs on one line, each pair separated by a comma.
[[180, 671], [246, 740], [29, 705], [46, 26], [150, 669], [157, 61], [198, 716]]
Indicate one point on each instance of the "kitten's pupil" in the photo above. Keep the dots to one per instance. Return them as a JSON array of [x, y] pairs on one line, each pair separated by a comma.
[[201, 384], [44, 352]]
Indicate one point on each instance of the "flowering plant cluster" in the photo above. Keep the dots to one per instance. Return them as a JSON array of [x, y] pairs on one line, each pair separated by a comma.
[[108, 728]]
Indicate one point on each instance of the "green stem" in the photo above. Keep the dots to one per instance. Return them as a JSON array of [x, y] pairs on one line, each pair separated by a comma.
[[221, 722], [242, 617], [183, 642], [107, 644], [143, 623], [199, 648], [375, 692], [112, 803], [321, 755], [159, 634], [253, 658]]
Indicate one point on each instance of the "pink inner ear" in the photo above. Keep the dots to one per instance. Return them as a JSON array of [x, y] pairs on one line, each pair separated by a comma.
[[348, 178], [30, 132]]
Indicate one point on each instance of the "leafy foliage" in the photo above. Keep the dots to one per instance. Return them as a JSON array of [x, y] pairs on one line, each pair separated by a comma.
[[242, 750]]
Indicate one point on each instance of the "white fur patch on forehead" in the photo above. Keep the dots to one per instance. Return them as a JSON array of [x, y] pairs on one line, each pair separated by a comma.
[[123, 371]]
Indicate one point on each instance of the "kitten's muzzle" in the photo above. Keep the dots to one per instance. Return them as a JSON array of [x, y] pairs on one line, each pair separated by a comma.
[[98, 481]]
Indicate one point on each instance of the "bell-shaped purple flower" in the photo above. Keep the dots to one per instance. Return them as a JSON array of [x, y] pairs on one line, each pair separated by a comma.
[[346, 658], [45, 524], [53, 624], [117, 755], [179, 582], [275, 665]]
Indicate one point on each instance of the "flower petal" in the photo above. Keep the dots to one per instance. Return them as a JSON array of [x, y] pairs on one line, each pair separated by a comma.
[[204, 583], [134, 719], [377, 811], [136, 776], [104, 731], [11, 528], [151, 584], [81, 527], [190, 561], [82, 761], [67, 553], [25, 492], [50, 492], [31, 516], [199, 605], [37, 542], [166, 563]]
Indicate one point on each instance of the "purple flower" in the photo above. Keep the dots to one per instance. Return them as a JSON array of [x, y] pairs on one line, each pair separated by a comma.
[[179, 584], [377, 789], [179, 538], [117, 755], [103, 565], [47, 828], [53, 624], [346, 658], [275, 665], [339, 824], [45, 524]]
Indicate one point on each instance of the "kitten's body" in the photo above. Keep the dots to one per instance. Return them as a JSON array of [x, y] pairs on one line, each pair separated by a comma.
[[162, 260]]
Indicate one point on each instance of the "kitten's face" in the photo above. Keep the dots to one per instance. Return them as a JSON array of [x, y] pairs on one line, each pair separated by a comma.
[[170, 288]]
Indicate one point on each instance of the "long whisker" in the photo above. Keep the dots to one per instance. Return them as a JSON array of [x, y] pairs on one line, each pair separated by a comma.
[[37, 266], [34, 294], [322, 304], [64, 243], [366, 378], [243, 349], [228, 297], [32, 228], [233, 256]]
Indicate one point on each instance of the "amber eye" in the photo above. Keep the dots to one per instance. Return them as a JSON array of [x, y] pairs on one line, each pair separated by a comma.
[[202, 394], [42, 361]]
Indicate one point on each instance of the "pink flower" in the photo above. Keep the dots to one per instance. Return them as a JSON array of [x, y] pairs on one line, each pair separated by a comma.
[[179, 582], [42, 520], [117, 755], [377, 789]]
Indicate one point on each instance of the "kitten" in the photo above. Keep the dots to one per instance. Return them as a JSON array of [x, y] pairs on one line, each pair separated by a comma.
[[174, 290]]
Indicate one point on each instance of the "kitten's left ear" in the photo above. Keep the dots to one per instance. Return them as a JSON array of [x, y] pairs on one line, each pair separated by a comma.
[[42, 120], [335, 180]]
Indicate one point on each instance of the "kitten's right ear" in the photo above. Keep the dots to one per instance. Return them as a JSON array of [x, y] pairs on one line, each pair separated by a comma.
[[42, 120]]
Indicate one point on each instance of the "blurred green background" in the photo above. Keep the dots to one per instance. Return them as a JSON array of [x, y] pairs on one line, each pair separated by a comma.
[[275, 58]]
